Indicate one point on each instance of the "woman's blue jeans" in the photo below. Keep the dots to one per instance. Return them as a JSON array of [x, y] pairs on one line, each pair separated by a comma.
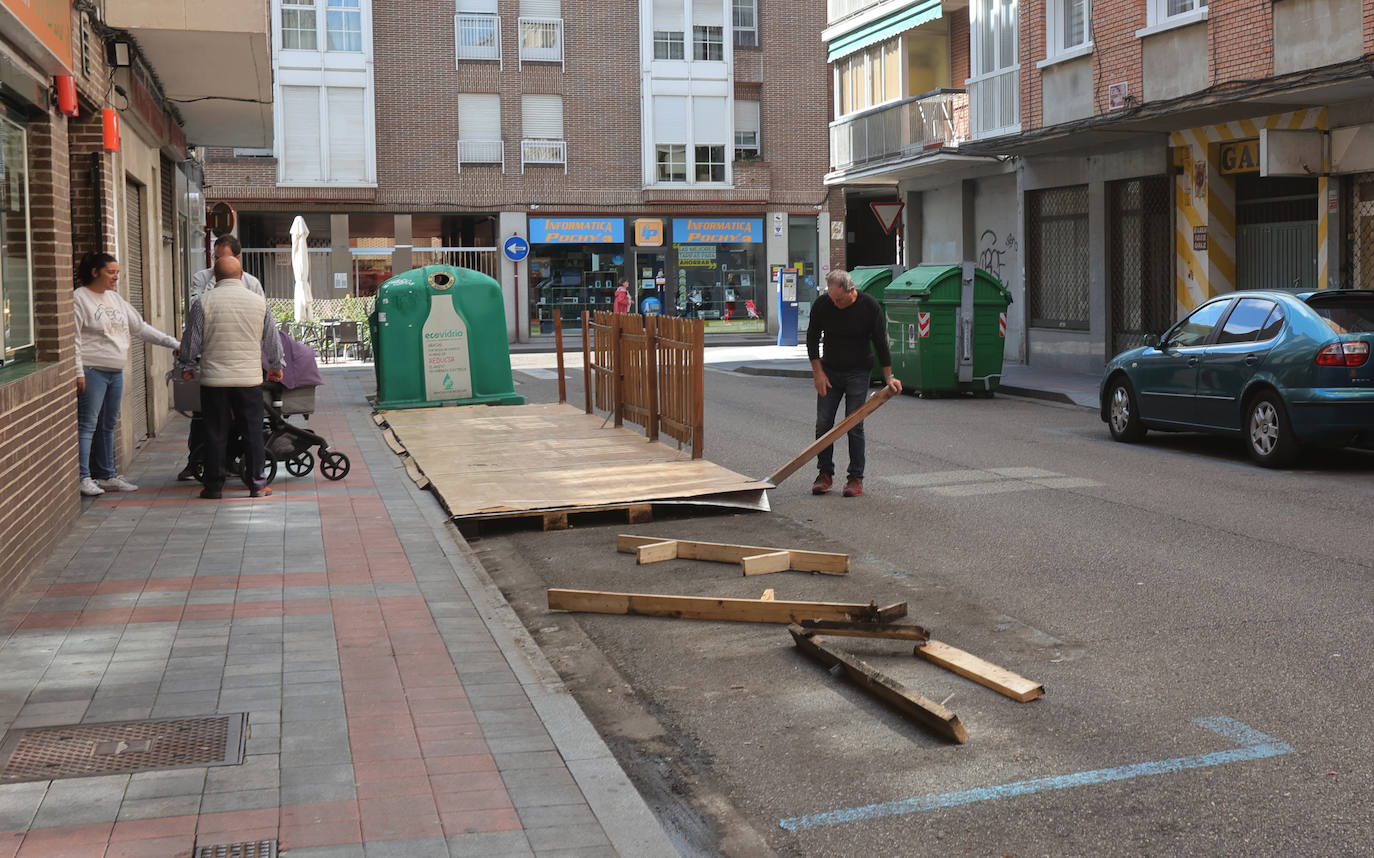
[[97, 412], [852, 387]]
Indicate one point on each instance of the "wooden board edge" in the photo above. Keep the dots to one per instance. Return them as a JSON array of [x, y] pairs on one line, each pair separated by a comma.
[[656, 552], [701, 607], [766, 564], [983, 672]]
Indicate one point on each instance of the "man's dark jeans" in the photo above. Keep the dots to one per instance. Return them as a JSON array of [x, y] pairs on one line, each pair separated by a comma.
[[852, 386], [229, 412]]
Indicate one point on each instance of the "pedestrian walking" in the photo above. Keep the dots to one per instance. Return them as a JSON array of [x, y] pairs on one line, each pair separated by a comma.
[[104, 323], [850, 324], [622, 297], [201, 282], [230, 331]]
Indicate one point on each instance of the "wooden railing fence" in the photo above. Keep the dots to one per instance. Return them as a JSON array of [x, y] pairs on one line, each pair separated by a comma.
[[647, 370]]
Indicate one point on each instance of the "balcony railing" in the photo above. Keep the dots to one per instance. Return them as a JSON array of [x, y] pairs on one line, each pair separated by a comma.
[[477, 36], [481, 152], [995, 103], [899, 130], [543, 152], [541, 40]]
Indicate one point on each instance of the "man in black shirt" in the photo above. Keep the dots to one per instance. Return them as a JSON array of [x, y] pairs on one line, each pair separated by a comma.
[[849, 321]]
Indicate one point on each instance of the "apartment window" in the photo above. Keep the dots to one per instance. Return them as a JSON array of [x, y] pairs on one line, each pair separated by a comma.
[[668, 45], [708, 43], [298, 25], [1057, 257], [479, 129], [340, 153], [710, 163], [869, 77], [477, 30], [672, 162], [344, 22], [541, 121], [994, 85], [541, 31], [745, 14], [16, 277], [1069, 27], [747, 130], [1165, 12]]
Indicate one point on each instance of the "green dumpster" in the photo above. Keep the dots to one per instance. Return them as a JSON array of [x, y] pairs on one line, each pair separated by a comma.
[[947, 327], [874, 280], [439, 338]]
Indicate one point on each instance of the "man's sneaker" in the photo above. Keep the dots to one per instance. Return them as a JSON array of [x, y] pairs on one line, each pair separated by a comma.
[[853, 487], [211, 494], [90, 488], [117, 483], [266, 491], [187, 474], [822, 484]]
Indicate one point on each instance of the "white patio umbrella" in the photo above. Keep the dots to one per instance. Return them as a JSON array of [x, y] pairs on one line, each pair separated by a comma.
[[300, 267]]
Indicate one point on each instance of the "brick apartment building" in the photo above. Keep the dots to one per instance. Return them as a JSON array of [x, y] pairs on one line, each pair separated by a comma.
[[1120, 161], [679, 144], [70, 184]]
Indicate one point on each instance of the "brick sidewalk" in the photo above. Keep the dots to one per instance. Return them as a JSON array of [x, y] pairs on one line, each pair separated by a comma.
[[394, 705]]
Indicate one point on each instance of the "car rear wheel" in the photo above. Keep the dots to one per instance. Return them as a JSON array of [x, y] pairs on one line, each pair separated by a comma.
[[1268, 434], [1123, 419]]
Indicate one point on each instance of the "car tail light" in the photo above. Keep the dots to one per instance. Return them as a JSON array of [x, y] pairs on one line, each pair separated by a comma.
[[1343, 354]]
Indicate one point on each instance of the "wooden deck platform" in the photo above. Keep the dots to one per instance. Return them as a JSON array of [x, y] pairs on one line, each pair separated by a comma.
[[499, 462]]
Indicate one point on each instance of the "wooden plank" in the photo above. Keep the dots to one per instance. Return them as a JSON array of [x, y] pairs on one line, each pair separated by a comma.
[[558, 349], [391, 441], [711, 608], [965, 664], [415, 474], [867, 630], [833, 435], [556, 520], [640, 513], [657, 552], [764, 564], [378, 418], [911, 705], [767, 596], [722, 552]]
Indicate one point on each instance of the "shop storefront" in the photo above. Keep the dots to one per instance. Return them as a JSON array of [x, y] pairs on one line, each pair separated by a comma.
[[709, 268]]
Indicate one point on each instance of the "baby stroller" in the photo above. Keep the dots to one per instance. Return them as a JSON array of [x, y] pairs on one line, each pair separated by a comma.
[[290, 444]]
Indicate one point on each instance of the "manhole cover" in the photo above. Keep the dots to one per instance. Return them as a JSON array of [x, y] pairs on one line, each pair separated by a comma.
[[246, 849], [86, 750]]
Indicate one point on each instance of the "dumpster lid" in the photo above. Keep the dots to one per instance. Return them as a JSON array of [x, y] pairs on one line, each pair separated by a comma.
[[923, 279], [874, 279]]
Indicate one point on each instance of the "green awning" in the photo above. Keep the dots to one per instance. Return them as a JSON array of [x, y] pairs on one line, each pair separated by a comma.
[[911, 16]]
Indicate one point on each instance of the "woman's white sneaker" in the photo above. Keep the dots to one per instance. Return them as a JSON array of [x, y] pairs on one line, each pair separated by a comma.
[[90, 488], [118, 484]]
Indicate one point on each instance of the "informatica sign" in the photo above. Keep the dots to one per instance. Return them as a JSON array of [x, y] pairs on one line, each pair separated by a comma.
[[692, 230], [558, 230]]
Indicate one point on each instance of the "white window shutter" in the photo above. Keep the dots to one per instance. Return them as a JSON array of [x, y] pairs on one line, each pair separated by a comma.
[[708, 13], [347, 144], [301, 135], [479, 116], [487, 6], [541, 9], [746, 116], [670, 119], [668, 15], [708, 120], [541, 117]]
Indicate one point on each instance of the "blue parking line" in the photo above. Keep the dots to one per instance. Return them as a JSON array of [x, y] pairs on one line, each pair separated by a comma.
[[1254, 746]]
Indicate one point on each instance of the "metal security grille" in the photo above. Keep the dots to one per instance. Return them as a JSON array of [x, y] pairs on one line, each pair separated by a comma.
[[135, 409], [1359, 273], [1057, 257], [86, 750], [1141, 260]]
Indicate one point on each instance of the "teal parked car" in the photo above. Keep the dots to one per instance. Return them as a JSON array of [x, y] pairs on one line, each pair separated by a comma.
[[1280, 368]]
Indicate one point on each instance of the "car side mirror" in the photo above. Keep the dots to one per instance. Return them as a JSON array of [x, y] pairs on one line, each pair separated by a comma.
[[1152, 340]]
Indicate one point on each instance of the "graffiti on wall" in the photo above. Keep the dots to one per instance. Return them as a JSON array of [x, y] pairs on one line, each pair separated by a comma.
[[992, 253]]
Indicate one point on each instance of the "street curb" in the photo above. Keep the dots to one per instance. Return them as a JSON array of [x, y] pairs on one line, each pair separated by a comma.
[[779, 373], [1034, 393]]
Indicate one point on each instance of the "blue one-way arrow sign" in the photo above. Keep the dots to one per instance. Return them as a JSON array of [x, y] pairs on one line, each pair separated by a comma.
[[516, 248]]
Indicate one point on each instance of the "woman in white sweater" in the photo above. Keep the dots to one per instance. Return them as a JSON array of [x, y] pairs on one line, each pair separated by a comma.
[[104, 322]]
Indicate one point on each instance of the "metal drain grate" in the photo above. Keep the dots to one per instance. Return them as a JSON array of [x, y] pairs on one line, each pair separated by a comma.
[[87, 750], [246, 849]]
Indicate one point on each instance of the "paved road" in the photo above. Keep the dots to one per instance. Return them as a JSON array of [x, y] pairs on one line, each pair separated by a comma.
[[1200, 624]]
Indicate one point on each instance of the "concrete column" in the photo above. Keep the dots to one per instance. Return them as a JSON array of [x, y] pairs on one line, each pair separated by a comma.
[[774, 253], [340, 260], [1099, 326], [913, 226], [968, 240], [515, 277], [401, 257]]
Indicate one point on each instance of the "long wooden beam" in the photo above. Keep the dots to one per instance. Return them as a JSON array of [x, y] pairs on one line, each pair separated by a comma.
[[867, 630], [653, 549], [711, 608], [986, 673], [911, 705], [830, 437]]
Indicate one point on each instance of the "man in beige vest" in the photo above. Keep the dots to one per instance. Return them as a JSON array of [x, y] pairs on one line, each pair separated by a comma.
[[231, 332]]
